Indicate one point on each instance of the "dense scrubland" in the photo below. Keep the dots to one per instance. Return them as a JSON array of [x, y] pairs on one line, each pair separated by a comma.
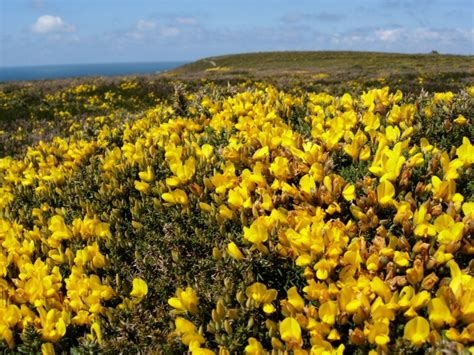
[[247, 205]]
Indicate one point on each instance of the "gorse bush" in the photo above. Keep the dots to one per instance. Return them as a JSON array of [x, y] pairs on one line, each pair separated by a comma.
[[242, 219]]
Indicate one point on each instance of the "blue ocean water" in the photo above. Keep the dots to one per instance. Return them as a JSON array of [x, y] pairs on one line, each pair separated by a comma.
[[78, 70]]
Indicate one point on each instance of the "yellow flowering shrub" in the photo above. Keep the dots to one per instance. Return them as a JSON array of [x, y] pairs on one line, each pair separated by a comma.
[[243, 220]]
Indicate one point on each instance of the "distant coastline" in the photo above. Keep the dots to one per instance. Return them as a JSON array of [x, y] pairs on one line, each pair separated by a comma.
[[64, 71]]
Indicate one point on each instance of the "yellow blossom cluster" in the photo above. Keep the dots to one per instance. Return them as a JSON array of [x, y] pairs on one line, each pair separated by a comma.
[[370, 250], [49, 264], [369, 220]]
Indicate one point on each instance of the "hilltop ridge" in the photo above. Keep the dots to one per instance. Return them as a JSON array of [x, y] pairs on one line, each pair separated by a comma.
[[333, 63]]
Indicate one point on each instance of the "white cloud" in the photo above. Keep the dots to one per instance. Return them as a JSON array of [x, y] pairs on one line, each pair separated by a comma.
[[51, 24], [136, 35], [389, 35], [426, 34], [143, 25], [142, 29], [423, 36], [187, 20], [169, 31], [149, 29]]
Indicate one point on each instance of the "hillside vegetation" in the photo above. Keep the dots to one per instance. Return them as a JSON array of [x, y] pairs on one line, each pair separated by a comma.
[[305, 214], [340, 65]]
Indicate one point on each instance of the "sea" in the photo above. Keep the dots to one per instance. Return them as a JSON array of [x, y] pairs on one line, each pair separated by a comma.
[[64, 71]]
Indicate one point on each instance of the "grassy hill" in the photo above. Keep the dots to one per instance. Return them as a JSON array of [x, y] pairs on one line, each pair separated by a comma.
[[328, 64]]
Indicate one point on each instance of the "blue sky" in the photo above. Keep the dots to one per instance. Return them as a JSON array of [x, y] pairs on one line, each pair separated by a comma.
[[36, 32]]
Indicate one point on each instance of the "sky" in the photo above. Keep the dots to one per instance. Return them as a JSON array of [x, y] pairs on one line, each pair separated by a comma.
[[40, 32]]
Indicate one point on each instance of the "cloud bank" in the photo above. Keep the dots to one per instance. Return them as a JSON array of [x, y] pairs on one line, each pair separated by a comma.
[[48, 24]]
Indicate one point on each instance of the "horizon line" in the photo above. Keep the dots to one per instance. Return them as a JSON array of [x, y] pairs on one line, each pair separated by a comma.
[[186, 61], [93, 63]]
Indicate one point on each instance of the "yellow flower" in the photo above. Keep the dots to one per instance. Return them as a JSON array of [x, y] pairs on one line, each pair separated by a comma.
[[194, 341], [257, 233], [439, 313], [188, 332], [290, 332], [445, 97], [416, 160], [404, 212], [334, 335], [385, 193], [280, 168], [323, 267], [82, 318], [259, 293], [371, 121], [185, 301], [450, 168], [184, 326], [207, 151], [392, 133], [268, 308], [182, 172], [59, 229], [236, 199], [102, 230], [328, 312], [442, 189], [468, 209], [448, 230], [303, 260], [381, 289], [261, 153], [346, 101], [441, 256], [401, 258], [225, 212], [379, 333], [148, 175], [419, 301], [239, 197], [416, 273], [195, 348], [403, 113], [295, 299], [425, 145], [417, 331], [349, 192], [465, 152], [352, 149], [96, 332], [7, 335], [176, 197], [234, 251], [205, 207], [388, 163], [47, 349], [423, 227], [307, 184], [368, 100], [140, 288], [54, 323], [142, 186], [349, 300], [254, 347], [461, 120], [364, 153]]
